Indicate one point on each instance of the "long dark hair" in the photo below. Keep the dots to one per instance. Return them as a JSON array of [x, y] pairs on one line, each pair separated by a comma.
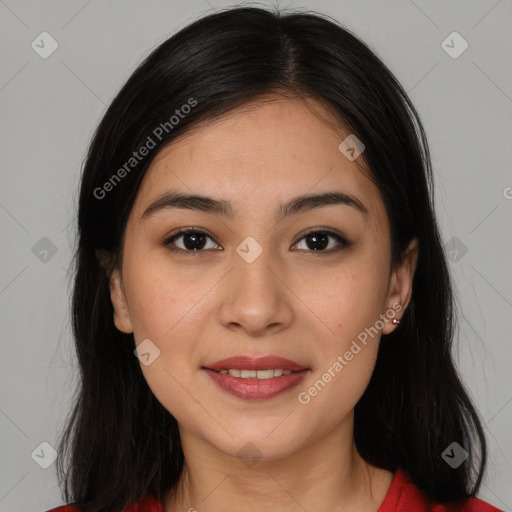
[[119, 442]]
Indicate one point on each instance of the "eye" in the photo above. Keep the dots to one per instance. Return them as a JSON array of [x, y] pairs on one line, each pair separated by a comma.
[[317, 240], [193, 240]]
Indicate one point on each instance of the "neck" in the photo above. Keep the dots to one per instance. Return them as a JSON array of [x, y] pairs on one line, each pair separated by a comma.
[[326, 475]]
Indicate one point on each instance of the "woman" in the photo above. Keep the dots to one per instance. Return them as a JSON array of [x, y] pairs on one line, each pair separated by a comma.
[[262, 305]]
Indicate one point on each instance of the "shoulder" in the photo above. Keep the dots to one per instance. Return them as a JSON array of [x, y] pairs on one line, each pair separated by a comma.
[[404, 496], [64, 508], [145, 504], [477, 505]]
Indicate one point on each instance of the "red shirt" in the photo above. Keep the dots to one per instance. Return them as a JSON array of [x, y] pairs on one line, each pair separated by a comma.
[[402, 496]]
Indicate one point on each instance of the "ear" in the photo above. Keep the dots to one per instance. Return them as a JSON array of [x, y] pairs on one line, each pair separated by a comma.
[[400, 289], [117, 296], [122, 319]]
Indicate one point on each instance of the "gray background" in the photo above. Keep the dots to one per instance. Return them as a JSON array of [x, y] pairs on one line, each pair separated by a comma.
[[51, 106]]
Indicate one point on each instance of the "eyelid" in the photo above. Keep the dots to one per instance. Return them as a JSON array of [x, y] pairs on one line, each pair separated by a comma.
[[322, 229]]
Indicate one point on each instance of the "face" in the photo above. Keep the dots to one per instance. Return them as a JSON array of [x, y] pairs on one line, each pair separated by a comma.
[[257, 279]]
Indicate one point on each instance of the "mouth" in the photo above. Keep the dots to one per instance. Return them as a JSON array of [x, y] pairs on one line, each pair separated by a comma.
[[255, 374], [262, 363], [256, 378]]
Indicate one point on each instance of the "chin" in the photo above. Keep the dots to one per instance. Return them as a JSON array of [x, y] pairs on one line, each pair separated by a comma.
[[259, 441]]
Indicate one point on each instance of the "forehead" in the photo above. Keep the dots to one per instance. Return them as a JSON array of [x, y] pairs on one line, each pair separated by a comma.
[[259, 156]]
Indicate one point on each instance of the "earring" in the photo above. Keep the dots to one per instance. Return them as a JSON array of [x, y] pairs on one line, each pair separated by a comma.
[[396, 321]]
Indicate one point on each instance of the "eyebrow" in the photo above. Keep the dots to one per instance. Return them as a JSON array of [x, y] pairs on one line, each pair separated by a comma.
[[299, 204]]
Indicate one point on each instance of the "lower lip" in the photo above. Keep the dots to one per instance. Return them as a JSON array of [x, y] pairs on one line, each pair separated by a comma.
[[256, 388]]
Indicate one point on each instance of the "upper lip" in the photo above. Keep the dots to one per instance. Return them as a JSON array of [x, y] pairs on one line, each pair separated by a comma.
[[255, 363]]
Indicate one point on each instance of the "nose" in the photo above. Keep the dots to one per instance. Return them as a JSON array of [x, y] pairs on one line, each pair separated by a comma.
[[256, 297]]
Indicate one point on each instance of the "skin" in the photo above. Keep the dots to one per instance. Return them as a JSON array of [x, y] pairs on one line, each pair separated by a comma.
[[292, 301]]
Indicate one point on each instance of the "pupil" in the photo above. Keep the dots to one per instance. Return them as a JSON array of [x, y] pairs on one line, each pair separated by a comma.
[[315, 237], [194, 245]]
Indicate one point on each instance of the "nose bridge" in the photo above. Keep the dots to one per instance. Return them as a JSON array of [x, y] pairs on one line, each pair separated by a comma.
[[254, 296], [255, 263]]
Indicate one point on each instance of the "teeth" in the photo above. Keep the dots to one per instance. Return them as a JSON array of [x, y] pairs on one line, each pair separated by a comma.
[[256, 374]]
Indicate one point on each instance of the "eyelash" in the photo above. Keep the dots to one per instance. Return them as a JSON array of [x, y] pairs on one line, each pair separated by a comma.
[[344, 243]]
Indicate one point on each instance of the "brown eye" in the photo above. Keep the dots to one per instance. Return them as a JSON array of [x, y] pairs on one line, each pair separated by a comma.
[[318, 241], [193, 240]]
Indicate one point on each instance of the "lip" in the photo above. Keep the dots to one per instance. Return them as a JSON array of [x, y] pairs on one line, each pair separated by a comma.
[[255, 363], [256, 389]]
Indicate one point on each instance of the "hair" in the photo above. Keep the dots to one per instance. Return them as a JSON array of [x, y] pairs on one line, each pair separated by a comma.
[[119, 443]]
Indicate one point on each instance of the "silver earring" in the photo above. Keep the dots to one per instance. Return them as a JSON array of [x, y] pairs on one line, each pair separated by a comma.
[[396, 321]]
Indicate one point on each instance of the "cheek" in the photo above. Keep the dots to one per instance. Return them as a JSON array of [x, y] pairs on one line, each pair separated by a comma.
[[345, 300], [337, 390], [168, 308], [170, 388], [168, 312], [161, 297], [346, 360], [347, 306]]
